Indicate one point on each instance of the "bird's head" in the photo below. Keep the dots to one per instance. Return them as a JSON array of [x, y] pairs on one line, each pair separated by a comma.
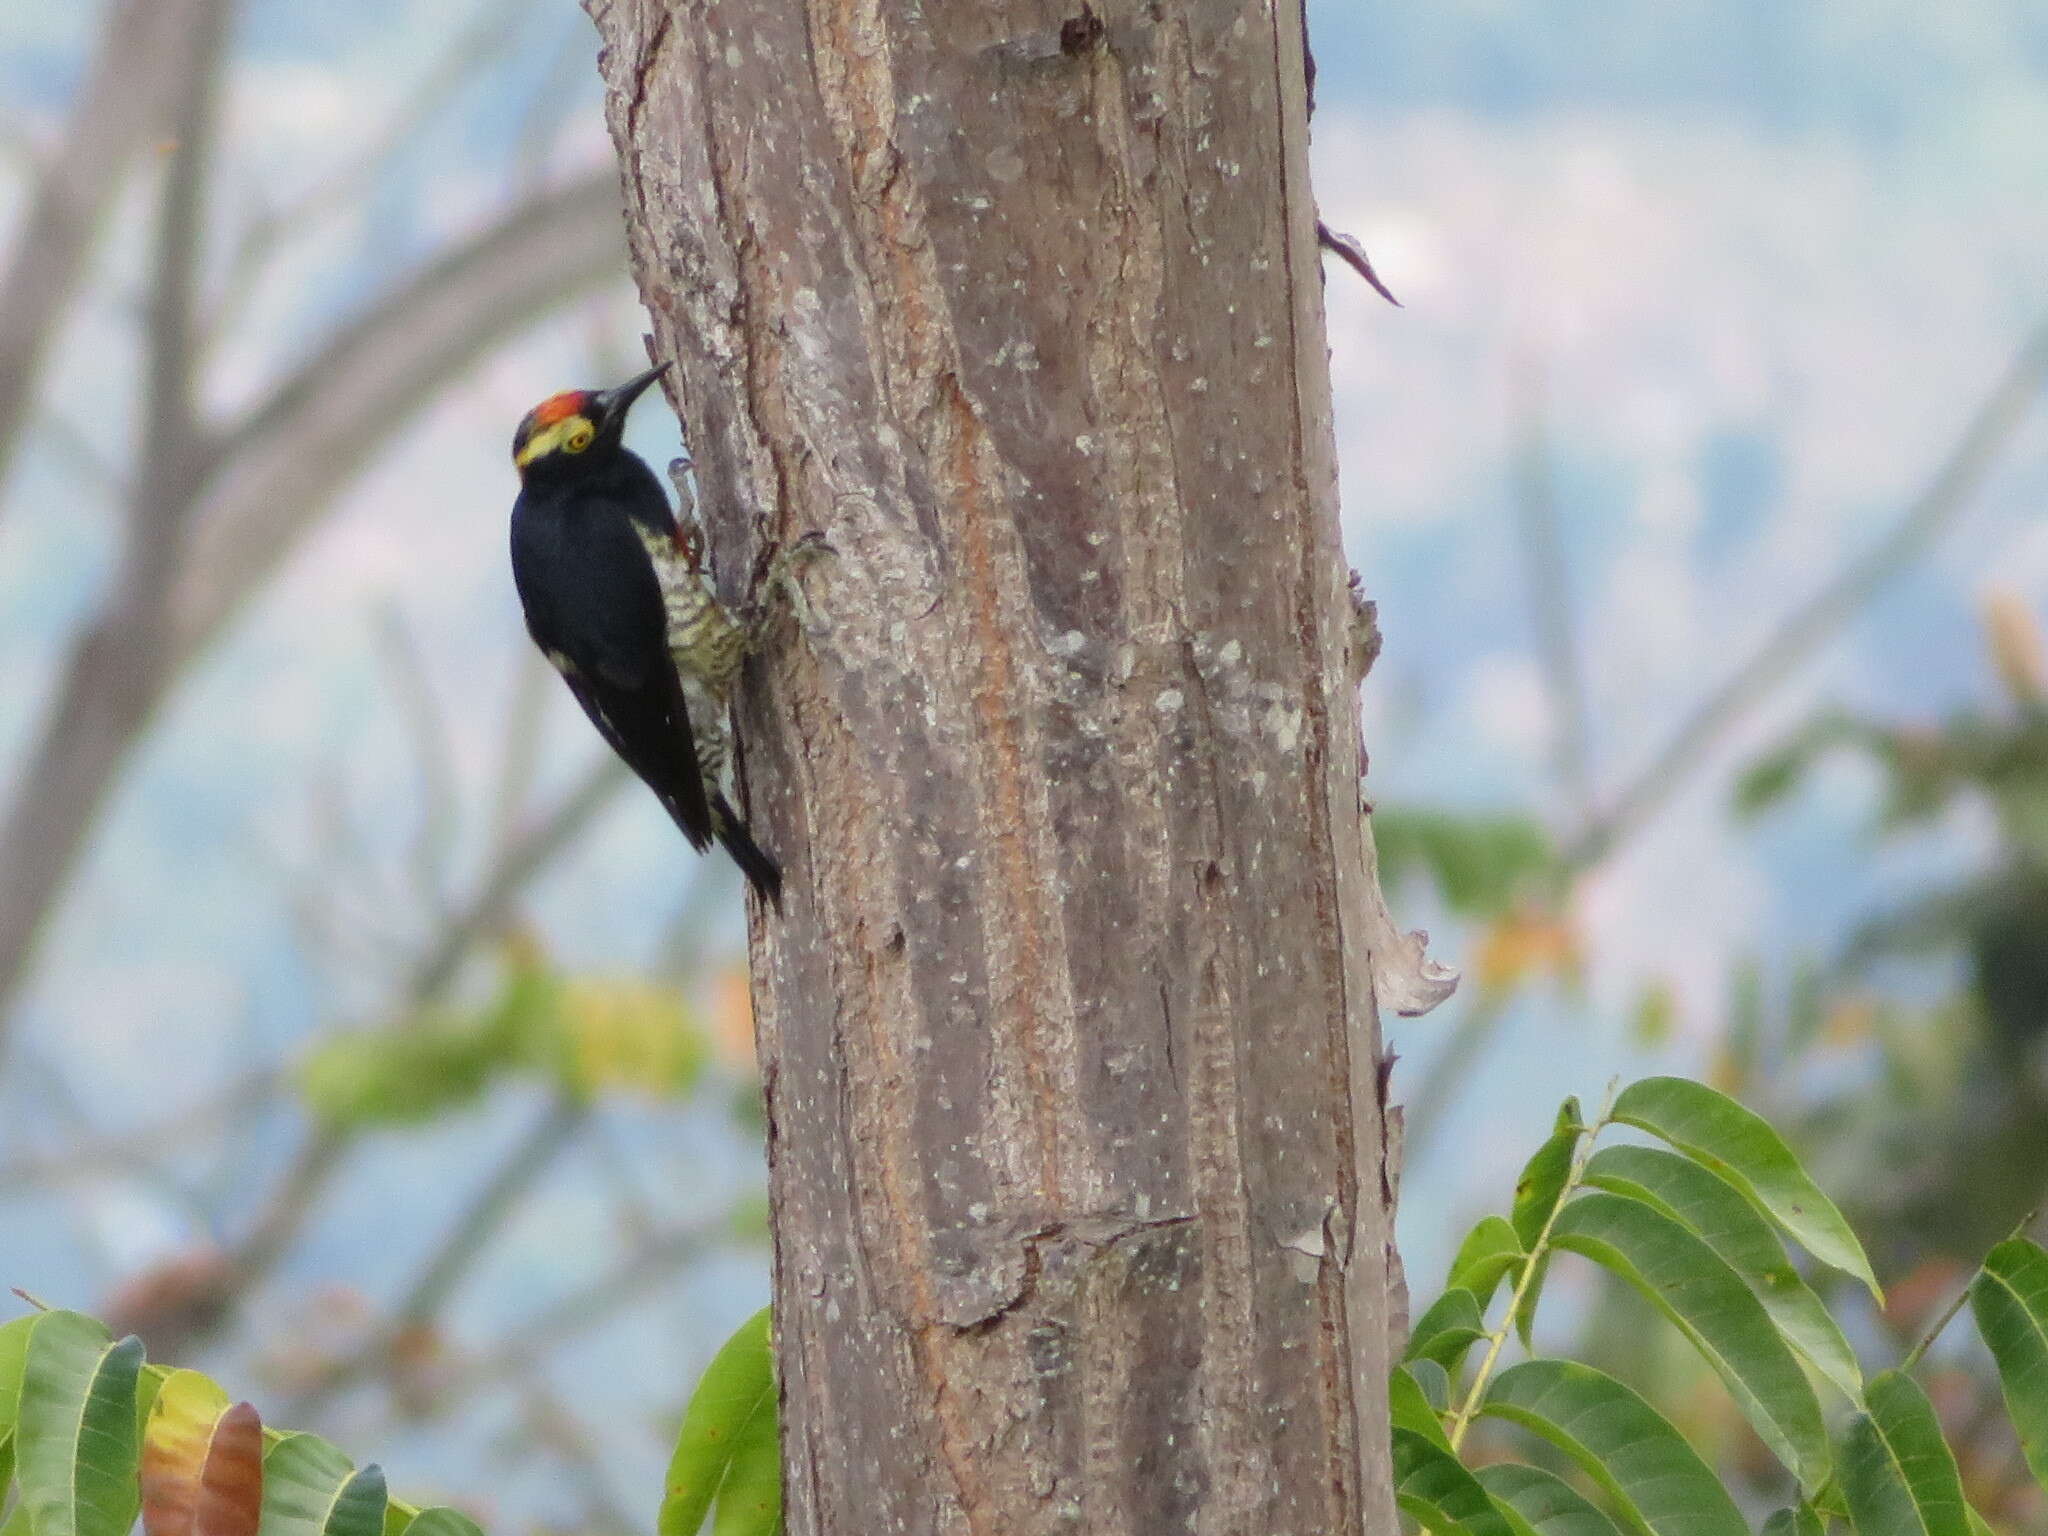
[[578, 425]]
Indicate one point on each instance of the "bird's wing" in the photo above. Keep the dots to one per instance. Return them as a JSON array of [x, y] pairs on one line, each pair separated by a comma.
[[648, 724], [595, 609]]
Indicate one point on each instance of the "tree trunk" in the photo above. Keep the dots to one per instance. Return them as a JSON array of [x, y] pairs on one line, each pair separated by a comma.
[[1077, 1153]]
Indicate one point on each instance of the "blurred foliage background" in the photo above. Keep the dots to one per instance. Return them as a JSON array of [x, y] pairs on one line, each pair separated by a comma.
[[366, 1039]]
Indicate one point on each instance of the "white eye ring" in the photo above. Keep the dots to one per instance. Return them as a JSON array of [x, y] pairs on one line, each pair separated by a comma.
[[579, 438]]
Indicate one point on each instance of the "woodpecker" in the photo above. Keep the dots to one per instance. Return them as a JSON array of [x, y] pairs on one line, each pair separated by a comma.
[[708, 642], [600, 562]]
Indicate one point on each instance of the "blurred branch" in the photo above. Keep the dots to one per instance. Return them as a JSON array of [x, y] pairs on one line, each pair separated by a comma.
[[548, 109], [121, 665], [680, 951], [1962, 472], [113, 1154], [170, 445], [323, 1152], [279, 466], [433, 758], [147, 52], [1449, 1071], [258, 489], [460, 1248], [1550, 596], [81, 453], [488, 32], [557, 1427], [521, 748], [52, 1092], [516, 1357], [316, 1162], [519, 862], [1805, 630]]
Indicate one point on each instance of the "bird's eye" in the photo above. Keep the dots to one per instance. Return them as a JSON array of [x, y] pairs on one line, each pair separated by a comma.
[[580, 437]]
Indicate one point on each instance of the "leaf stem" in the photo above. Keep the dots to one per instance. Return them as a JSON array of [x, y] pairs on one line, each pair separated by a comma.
[[1531, 1266], [1948, 1313]]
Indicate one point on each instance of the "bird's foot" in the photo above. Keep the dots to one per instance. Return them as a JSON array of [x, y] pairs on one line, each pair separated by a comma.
[[778, 586]]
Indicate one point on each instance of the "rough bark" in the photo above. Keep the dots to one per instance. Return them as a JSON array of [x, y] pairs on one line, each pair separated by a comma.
[[1077, 1153]]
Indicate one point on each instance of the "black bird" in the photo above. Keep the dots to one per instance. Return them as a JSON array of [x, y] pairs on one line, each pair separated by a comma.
[[589, 525]]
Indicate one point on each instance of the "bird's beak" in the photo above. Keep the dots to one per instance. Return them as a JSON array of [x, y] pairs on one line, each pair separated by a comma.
[[613, 404]]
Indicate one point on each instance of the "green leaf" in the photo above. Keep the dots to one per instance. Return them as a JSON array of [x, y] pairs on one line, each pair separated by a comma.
[[1706, 1301], [1537, 1192], [1714, 1130], [78, 1449], [13, 1351], [1897, 1470], [1799, 1520], [1411, 1409], [1543, 1176], [1482, 864], [440, 1520], [620, 1034], [1490, 1251], [1719, 1214], [2010, 1302], [1658, 1482], [402, 1074], [1433, 1486], [311, 1489], [1435, 1382], [750, 1499], [733, 1406], [1451, 1326], [1547, 1504]]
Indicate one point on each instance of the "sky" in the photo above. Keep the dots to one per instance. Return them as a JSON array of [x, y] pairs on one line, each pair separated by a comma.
[[1764, 261]]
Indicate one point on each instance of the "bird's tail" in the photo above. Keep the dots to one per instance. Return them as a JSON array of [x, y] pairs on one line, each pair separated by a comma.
[[733, 836]]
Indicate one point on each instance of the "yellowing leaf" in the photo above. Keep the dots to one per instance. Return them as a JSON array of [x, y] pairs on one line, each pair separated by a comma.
[[1523, 945], [622, 1034], [174, 1447], [2014, 639]]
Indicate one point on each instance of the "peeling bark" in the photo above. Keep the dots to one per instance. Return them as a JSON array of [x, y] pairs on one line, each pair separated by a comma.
[[1077, 1147]]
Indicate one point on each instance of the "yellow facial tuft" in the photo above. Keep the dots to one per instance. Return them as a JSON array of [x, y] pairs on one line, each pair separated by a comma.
[[571, 434]]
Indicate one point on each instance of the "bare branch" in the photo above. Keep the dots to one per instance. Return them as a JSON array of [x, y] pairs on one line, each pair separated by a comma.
[[272, 475], [39, 1172], [489, 31], [169, 438], [465, 1242], [280, 465], [518, 864], [518, 1355], [440, 795], [144, 55], [119, 668], [519, 755], [1550, 595], [1795, 639], [1805, 630]]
